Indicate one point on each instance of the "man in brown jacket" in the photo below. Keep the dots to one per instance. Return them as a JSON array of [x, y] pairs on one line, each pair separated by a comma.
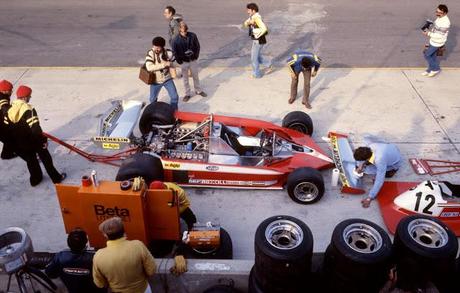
[[124, 265]]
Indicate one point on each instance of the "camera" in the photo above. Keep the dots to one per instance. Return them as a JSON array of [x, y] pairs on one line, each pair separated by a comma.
[[427, 25], [188, 53]]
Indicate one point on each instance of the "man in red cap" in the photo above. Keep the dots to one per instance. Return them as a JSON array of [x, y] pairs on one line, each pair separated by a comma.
[[185, 212], [28, 137], [6, 89]]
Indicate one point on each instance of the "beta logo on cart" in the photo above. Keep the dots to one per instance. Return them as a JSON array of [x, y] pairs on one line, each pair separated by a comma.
[[212, 168], [103, 213]]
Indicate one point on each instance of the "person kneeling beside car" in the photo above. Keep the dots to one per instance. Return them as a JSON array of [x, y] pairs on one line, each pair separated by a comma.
[[377, 158]]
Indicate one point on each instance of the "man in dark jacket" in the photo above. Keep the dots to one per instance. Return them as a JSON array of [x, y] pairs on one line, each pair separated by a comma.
[[6, 89], [28, 139], [74, 267], [186, 48]]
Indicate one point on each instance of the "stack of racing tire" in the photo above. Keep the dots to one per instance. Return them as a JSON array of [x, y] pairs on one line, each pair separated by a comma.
[[283, 254], [425, 249], [359, 259]]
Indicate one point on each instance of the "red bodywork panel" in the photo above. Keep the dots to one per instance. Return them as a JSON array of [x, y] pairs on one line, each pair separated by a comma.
[[269, 175], [392, 213]]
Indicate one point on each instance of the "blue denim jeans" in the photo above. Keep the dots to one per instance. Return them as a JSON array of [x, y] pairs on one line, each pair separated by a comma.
[[257, 59], [170, 87], [431, 58]]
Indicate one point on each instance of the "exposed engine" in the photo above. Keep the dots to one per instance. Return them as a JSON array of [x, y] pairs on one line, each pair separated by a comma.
[[187, 141]]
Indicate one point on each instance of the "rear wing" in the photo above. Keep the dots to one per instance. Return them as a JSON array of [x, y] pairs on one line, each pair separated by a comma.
[[117, 125], [342, 154]]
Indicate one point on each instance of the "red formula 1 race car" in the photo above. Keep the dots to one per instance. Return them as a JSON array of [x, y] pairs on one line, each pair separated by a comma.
[[203, 150], [439, 199]]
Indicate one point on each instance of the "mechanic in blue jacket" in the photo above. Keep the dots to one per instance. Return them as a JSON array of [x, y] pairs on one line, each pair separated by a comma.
[[74, 266], [377, 158], [307, 63]]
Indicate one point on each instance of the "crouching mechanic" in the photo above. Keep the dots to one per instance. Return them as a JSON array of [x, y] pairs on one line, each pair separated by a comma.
[[74, 266], [377, 158], [308, 64], [185, 212]]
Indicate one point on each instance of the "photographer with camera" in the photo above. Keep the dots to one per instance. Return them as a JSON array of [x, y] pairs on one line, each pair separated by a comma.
[[437, 32], [160, 61], [186, 48]]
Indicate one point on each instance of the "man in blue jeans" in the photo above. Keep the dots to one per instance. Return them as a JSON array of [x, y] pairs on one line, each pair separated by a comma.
[[159, 60], [438, 36], [257, 32]]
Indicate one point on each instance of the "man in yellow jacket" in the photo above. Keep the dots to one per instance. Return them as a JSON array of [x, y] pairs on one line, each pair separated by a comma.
[[124, 265], [257, 32], [28, 138]]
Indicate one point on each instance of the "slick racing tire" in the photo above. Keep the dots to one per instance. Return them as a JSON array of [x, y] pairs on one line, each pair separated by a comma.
[[432, 245], [140, 164], [300, 121], [283, 253], [305, 185], [224, 251], [158, 113], [358, 258], [253, 286]]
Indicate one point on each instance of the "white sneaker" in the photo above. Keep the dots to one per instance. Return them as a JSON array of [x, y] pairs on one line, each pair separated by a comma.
[[433, 73], [425, 73]]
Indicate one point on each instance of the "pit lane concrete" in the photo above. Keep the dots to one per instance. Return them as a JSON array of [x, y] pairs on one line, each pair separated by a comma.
[[418, 114]]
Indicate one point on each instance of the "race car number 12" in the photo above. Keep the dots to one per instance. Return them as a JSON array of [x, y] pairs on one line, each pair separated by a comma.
[[429, 198]]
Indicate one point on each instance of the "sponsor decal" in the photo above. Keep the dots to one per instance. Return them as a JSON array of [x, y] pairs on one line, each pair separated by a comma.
[[111, 146], [111, 139], [230, 182], [212, 168], [172, 165], [103, 213], [76, 271], [338, 162], [449, 214]]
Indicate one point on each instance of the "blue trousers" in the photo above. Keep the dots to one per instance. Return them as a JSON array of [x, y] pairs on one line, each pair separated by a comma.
[[431, 58], [170, 87], [257, 59]]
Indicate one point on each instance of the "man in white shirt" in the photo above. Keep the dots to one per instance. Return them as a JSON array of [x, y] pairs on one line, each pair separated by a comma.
[[438, 36]]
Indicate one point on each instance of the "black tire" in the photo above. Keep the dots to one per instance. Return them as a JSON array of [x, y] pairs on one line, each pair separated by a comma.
[[300, 121], [253, 286], [223, 288], [358, 258], [161, 248], [159, 113], [225, 250], [305, 185], [432, 245], [283, 253], [140, 164]]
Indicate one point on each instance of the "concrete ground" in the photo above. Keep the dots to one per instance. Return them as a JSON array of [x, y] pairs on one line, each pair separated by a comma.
[[418, 114]]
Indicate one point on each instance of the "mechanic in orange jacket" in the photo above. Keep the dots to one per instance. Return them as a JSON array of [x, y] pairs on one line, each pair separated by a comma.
[[6, 89], [28, 137], [185, 212]]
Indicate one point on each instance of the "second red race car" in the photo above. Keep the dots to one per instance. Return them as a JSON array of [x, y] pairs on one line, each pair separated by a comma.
[[202, 150]]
